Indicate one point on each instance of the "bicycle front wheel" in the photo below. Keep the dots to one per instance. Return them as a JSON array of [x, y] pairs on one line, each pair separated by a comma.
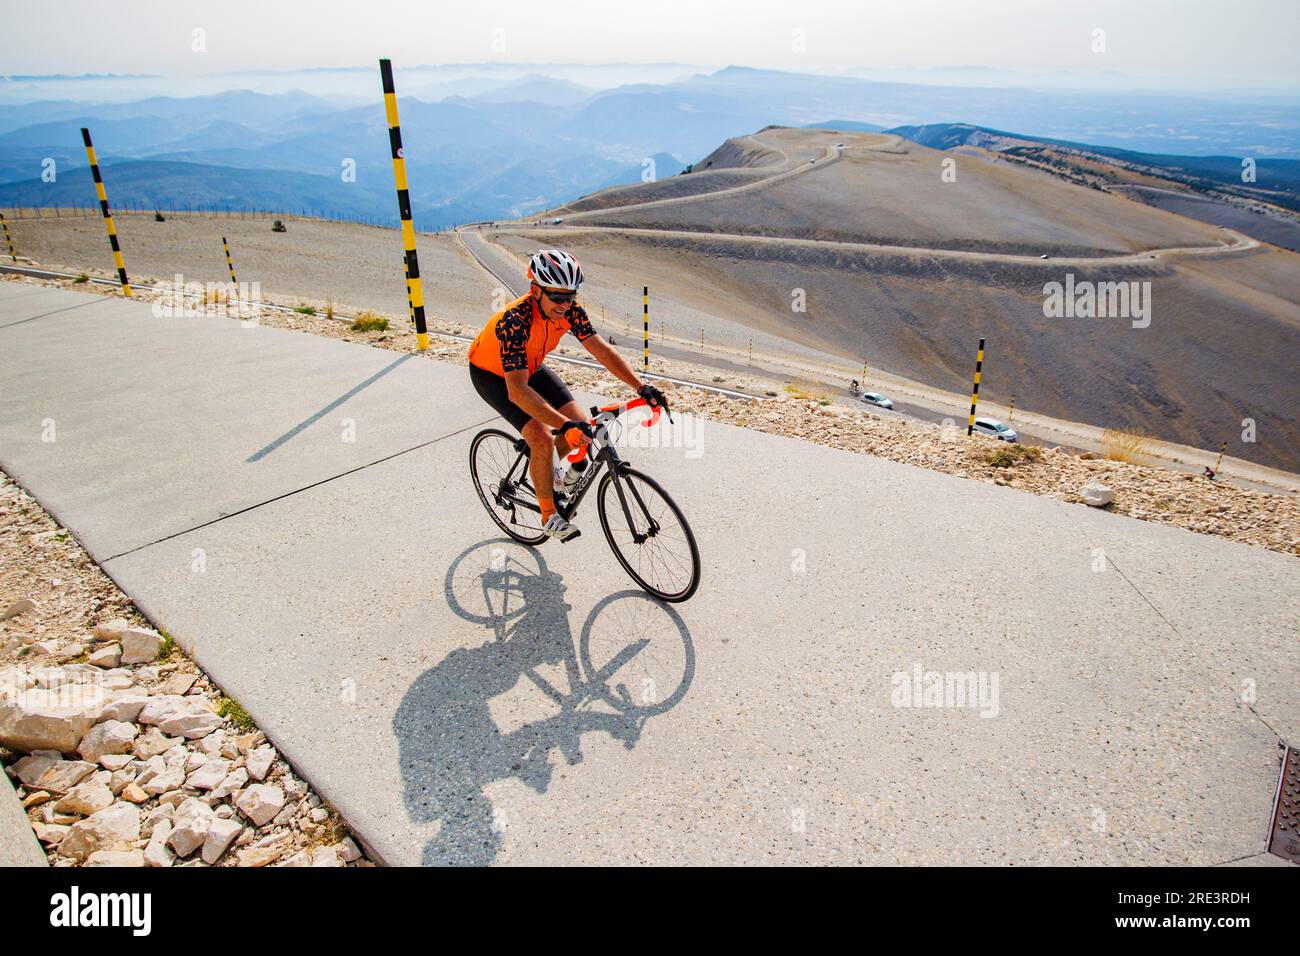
[[649, 535]]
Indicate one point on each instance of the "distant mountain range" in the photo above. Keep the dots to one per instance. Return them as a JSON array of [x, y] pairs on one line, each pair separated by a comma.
[[495, 146]]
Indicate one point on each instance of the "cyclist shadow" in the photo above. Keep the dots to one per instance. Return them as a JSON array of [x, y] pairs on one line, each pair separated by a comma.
[[451, 748]]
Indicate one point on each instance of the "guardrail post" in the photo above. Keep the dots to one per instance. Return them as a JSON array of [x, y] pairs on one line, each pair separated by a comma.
[[975, 393], [8, 239], [108, 215], [404, 203]]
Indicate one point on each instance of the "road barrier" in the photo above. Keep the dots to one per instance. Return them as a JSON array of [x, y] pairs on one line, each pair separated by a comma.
[[404, 204], [975, 394], [8, 240], [230, 264], [108, 215]]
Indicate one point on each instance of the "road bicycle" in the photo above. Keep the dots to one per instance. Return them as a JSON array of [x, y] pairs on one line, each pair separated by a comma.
[[644, 527]]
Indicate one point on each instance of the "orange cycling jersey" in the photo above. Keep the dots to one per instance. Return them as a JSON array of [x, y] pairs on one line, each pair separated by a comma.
[[520, 337]]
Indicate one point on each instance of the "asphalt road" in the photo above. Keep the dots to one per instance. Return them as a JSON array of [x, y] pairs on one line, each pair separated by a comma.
[[297, 513]]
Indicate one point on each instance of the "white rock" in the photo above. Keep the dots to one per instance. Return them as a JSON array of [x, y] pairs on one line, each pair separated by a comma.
[[108, 656], [157, 853], [105, 830], [260, 803], [171, 778], [221, 833], [49, 719], [21, 606], [326, 856], [109, 737], [30, 768], [319, 815], [213, 743], [116, 762], [185, 716], [51, 834], [153, 742], [152, 767], [1096, 494], [190, 826], [64, 775], [15, 680], [140, 645], [115, 858], [259, 762], [209, 776], [110, 630], [85, 799], [234, 780], [349, 850], [121, 779], [195, 759]]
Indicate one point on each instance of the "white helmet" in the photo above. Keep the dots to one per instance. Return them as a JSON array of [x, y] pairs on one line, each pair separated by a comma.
[[554, 269]]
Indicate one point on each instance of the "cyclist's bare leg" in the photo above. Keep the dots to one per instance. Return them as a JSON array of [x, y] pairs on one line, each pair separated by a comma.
[[540, 444], [573, 412]]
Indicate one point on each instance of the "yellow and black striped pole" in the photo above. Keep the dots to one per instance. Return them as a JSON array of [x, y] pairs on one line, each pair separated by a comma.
[[404, 204], [1012, 410], [410, 309], [645, 327], [751, 351], [230, 263], [975, 395], [108, 215], [1219, 464], [8, 239], [864, 374]]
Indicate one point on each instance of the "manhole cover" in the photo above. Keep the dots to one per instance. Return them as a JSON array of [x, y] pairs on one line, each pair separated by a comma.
[[1284, 834]]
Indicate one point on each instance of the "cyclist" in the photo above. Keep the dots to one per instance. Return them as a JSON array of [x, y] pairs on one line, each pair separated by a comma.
[[505, 365]]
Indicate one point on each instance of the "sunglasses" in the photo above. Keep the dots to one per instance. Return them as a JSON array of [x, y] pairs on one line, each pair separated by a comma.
[[560, 298]]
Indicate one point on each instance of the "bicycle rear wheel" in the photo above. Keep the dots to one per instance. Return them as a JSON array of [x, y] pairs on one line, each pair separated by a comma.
[[649, 535], [502, 482]]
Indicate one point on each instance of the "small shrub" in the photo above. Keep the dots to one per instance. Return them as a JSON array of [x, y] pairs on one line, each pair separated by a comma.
[[278, 226], [306, 309], [158, 217], [1120, 445], [80, 279], [369, 322], [169, 649], [231, 708], [1009, 456], [329, 309], [806, 391]]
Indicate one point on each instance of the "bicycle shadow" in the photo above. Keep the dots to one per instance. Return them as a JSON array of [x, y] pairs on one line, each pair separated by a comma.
[[451, 748]]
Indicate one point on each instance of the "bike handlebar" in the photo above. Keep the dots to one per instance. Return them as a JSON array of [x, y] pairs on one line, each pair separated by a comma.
[[579, 441]]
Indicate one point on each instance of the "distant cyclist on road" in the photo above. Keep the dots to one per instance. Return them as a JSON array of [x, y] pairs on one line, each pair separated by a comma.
[[505, 365]]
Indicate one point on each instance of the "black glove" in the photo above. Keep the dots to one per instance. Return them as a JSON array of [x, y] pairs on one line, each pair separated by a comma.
[[584, 427], [654, 398]]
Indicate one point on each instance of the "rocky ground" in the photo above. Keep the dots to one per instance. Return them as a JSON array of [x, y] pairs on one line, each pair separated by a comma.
[[121, 750], [1148, 493]]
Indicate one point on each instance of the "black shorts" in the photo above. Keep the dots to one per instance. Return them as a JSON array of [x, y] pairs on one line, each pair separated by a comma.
[[492, 388]]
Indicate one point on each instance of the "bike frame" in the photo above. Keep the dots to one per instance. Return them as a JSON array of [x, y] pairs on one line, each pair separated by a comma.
[[604, 457]]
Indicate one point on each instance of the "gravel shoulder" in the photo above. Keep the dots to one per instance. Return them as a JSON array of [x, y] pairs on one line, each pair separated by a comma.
[[122, 752]]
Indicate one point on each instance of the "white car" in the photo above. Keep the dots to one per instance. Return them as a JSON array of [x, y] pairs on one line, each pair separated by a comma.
[[875, 398], [995, 429]]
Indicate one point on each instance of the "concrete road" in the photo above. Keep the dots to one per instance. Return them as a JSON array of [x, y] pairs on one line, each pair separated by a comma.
[[297, 512]]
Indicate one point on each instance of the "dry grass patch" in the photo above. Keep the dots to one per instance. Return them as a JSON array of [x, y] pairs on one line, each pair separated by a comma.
[[1120, 445], [369, 322]]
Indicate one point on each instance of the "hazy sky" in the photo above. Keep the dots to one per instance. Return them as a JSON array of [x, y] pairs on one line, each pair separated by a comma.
[[1195, 44]]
